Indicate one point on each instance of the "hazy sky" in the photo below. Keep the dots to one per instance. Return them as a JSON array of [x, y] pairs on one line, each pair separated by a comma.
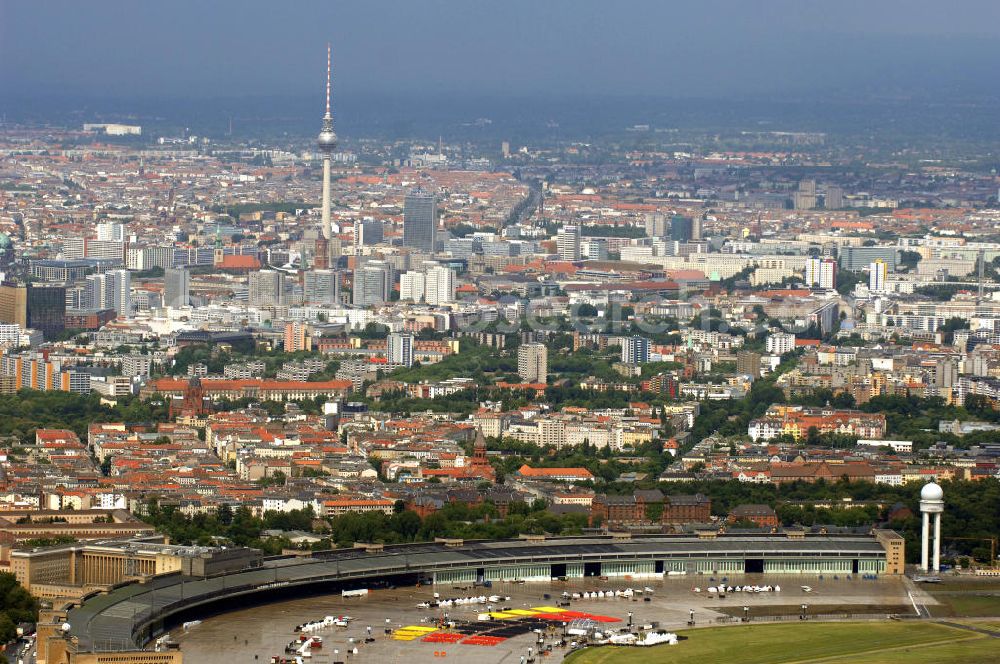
[[209, 48]]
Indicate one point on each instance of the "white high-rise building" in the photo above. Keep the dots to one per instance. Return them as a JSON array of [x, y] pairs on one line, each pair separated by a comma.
[[111, 290], [877, 273], [780, 343], [821, 273], [435, 285], [568, 243], [439, 285], [533, 363], [411, 286], [111, 231], [399, 349]]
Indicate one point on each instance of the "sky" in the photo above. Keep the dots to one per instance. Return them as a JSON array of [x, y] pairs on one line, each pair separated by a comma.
[[199, 49]]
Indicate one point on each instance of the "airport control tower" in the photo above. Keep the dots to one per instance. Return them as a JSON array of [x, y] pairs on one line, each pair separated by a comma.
[[931, 502], [327, 143]]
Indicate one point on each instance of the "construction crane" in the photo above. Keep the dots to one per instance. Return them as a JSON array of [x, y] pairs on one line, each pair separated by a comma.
[[991, 540]]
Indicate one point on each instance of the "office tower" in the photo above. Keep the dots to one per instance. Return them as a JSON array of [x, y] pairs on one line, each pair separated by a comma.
[[372, 283], [399, 349], [856, 259], [321, 287], [595, 249], [821, 273], [680, 228], [266, 288], [367, 232], [533, 363], [748, 363], [46, 309], [14, 304], [176, 287], [568, 243], [439, 285], [635, 350], [327, 143], [297, 337], [411, 286], [877, 273], [834, 199], [656, 225], [420, 220]]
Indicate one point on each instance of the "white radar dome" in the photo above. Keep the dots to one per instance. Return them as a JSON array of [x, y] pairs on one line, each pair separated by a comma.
[[931, 491]]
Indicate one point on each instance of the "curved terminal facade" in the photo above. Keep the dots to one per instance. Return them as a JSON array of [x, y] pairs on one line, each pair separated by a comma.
[[129, 616]]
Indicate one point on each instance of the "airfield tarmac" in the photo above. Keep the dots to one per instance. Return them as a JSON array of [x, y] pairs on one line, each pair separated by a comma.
[[256, 634]]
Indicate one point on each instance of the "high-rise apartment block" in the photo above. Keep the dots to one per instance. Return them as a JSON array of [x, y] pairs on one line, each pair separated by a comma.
[[399, 349], [533, 363], [568, 243]]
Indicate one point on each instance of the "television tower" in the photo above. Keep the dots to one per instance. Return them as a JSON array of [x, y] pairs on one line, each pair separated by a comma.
[[327, 142]]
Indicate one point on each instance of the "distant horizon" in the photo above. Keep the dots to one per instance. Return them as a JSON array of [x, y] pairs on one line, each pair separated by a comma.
[[417, 116]]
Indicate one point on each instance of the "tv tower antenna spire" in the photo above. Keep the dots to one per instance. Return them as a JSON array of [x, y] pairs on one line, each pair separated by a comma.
[[327, 143]]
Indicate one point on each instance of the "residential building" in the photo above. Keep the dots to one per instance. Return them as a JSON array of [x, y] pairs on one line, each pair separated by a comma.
[[533, 363], [399, 349], [568, 243]]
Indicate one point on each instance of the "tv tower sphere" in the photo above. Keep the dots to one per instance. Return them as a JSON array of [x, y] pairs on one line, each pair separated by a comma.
[[327, 139]]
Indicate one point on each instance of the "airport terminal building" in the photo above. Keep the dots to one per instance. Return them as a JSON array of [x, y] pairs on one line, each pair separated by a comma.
[[127, 616]]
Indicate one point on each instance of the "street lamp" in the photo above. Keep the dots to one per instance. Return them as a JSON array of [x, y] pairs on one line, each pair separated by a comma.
[[802, 616]]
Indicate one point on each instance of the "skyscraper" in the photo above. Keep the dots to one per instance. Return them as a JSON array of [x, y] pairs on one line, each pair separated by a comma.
[[412, 285], [367, 232], [111, 290], [399, 349], [321, 287], [327, 143], [834, 199], [635, 350], [46, 307], [568, 243], [821, 272], [176, 287], [533, 363], [266, 288], [877, 273], [439, 285], [420, 220], [656, 224], [681, 229], [14, 304], [372, 283]]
